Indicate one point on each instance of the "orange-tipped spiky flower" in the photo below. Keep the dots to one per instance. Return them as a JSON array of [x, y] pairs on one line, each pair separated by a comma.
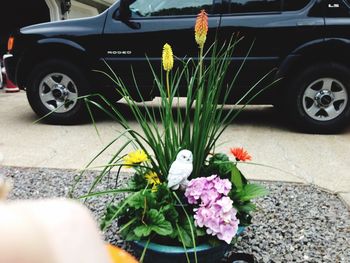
[[167, 57], [201, 28]]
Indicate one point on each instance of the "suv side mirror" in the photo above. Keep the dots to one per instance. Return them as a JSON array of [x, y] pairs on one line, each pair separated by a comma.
[[124, 13]]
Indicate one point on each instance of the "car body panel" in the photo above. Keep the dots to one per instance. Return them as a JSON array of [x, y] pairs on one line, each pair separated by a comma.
[[272, 37], [280, 38], [127, 47], [78, 34]]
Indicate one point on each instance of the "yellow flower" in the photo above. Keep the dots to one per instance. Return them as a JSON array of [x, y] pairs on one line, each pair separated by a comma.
[[153, 179], [167, 57], [134, 158], [201, 28]]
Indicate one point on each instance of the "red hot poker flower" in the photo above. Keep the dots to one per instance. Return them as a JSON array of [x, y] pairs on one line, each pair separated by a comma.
[[201, 28], [240, 154]]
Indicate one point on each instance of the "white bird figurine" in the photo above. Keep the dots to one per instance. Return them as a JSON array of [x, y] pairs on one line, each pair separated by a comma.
[[180, 170]]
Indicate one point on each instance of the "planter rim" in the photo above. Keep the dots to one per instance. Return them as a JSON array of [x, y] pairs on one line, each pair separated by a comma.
[[178, 249]]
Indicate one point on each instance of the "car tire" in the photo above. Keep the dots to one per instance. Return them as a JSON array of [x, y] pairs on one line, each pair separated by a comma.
[[53, 90], [319, 98]]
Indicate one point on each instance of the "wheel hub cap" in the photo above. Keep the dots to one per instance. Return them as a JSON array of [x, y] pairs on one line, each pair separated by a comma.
[[58, 92], [324, 98]]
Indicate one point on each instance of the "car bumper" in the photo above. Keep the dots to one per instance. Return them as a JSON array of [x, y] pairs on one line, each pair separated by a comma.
[[10, 67]]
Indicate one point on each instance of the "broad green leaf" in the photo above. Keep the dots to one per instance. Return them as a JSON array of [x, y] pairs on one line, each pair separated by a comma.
[[131, 236], [163, 194], [219, 157], [182, 241], [110, 212], [220, 164], [158, 224], [185, 228], [225, 168], [246, 208], [141, 199], [170, 213], [236, 178], [127, 230], [252, 191], [137, 201], [184, 236], [143, 230], [174, 234], [154, 222], [111, 209], [163, 229]]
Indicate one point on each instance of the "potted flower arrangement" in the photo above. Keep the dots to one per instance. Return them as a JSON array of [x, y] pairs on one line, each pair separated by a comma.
[[186, 202]]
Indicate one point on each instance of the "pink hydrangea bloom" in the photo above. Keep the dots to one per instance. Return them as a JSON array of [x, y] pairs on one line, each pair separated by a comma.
[[208, 189], [225, 203], [202, 214], [210, 196], [223, 186], [215, 212], [194, 189], [228, 231]]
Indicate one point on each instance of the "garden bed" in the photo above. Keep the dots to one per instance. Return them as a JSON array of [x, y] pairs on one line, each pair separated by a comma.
[[295, 223]]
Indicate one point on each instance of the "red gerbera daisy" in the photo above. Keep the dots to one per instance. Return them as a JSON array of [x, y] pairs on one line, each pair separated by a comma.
[[240, 154]]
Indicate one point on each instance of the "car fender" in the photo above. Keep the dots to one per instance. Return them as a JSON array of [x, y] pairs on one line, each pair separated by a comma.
[[61, 41], [49, 48], [306, 50], [328, 49]]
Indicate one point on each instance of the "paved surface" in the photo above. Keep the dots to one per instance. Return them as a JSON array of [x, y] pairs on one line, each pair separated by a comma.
[[314, 159], [294, 223]]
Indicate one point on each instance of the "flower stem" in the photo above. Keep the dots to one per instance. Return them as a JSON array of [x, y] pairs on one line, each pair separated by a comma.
[[167, 84], [200, 62], [191, 228], [144, 250]]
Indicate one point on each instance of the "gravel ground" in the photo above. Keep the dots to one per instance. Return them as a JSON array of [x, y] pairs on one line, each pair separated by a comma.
[[295, 223]]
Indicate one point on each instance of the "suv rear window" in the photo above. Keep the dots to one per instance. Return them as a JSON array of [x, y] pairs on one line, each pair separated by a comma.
[[293, 5], [252, 6], [149, 8]]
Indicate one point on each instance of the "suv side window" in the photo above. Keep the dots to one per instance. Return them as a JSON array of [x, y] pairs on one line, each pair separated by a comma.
[[252, 6], [151, 8], [293, 5]]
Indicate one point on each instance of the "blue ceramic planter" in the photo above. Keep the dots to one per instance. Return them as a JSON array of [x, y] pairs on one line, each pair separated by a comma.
[[157, 253]]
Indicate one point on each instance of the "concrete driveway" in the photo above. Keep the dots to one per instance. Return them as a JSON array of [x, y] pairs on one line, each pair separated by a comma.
[[323, 160]]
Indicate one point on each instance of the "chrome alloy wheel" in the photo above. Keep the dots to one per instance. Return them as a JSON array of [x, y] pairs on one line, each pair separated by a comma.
[[58, 92], [325, 99]]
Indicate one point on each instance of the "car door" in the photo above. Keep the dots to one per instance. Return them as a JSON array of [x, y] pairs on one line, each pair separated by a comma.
[[139, 37], [274, 29]]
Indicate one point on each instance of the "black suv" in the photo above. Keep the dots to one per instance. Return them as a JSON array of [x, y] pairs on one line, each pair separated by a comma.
[[307, 41]]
